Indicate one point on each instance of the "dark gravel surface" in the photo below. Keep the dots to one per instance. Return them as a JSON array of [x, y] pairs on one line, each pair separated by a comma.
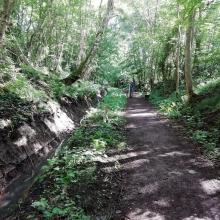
[[164, 175]]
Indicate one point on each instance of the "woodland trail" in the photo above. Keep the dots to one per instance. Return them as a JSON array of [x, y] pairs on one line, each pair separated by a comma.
[[165, 177]]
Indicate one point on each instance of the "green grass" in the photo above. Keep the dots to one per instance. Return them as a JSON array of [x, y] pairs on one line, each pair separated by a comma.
[[115, 100]]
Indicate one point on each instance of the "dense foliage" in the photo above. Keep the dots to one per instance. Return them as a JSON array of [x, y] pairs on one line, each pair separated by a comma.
[[174, 55], [160, 50], [60, 39]]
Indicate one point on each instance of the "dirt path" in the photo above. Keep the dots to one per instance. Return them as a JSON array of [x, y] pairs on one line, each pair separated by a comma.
[[165, 178]]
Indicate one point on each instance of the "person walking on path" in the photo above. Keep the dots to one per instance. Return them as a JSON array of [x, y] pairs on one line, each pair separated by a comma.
[[131, 88]]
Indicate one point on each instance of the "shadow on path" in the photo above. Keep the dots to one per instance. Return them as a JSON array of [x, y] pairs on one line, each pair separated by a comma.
[[164, 177]]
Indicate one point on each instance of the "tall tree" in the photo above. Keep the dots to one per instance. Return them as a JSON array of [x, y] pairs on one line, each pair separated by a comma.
[[190, 13], [4, 18], [177, 71], [188, 56], [76, 74]]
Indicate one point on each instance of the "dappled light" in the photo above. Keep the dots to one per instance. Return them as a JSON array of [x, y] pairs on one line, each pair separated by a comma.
[[211, 187], [171, 183], [174, 154], [5, 123], [196, 218], [60, 121], [138, 214], [21, 142], [109, 110], [139, 115]]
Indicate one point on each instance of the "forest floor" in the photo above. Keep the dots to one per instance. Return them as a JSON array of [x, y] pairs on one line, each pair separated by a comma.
[[165, 177]]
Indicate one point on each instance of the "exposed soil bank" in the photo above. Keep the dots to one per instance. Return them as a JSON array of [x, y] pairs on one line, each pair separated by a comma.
[[23, 150], [164, 175]]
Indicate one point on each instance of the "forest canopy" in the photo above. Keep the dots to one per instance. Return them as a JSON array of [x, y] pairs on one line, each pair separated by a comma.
[[107, 41]]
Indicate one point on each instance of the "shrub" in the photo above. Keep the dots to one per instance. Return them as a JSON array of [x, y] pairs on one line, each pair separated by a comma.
[[169, 105]]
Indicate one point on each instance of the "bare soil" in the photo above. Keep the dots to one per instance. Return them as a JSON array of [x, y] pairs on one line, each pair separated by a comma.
[[165, 177]]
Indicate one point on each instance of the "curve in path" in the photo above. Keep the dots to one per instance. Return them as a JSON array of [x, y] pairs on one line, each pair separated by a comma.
[[165, 178]]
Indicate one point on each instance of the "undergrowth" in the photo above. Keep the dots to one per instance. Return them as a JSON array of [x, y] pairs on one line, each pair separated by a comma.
[[197, 117], [75, 163], [37, 85], [14, 109], [25, 90], [56, 88], [22, 95]]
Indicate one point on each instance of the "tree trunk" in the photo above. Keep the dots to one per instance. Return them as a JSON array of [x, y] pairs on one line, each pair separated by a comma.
[[5, 15], [177, 68], [177, 73], [188, 57], [198, 46], [82, 49], [75, 75]]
